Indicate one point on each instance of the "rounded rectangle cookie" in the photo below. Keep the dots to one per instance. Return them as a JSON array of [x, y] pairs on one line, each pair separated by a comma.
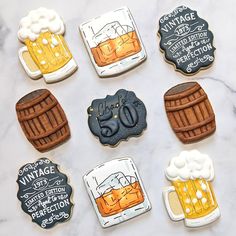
[[44, 193], [113, 42], [186, 40], [116, 191]]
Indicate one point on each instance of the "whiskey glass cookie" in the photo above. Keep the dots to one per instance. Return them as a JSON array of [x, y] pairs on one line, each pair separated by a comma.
[[186, 40], [191, 197], [113, 42], [117, 117], [42, 120], [189, 112], [116, 191], [44, 193], [46, 53]]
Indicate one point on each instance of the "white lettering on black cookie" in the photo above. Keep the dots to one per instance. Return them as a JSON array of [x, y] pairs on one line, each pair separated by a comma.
[[186, 40], [117, 117], [44, 193]]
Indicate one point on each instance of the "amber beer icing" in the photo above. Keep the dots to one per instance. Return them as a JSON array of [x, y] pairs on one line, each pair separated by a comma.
[[42, 32], [191, 173]]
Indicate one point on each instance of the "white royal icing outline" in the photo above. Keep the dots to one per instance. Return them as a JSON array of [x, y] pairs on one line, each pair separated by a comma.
[[31, 19], [119, 66], [197, 222], [127, 166]]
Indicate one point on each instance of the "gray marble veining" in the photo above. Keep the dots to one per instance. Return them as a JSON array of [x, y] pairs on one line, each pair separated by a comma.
[[3, 33]]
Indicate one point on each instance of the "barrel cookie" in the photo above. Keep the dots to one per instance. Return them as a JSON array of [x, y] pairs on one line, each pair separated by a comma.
[[44, 193], [186, 40], [42, 120], [189, 112], [117, 117]]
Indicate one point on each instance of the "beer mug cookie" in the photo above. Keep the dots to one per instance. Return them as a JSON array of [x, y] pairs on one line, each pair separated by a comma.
[[116, 191], [186, 40], [191, 197], [113, 42], [46, 53]]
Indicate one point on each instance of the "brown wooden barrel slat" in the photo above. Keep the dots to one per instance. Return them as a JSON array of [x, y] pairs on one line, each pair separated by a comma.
[[48, 133], [189, 111], [186, 114], [53, 123], [191, 98], [42, 120], [51, 145], [199, 137], [38, 113], [59, 117], [200, 117], [25, 127], [43, 94], [39, 125], [35, 126], [32, 128], [188, 88], [211, 125], [188, 104], [185, 122], [195, 126]]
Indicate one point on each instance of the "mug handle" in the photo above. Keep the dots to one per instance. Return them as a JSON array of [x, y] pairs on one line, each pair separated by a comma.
[[31, 69], [172, 214]]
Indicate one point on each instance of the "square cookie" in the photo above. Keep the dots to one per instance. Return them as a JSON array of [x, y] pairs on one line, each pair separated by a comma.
[[113, 42], [116, 191]]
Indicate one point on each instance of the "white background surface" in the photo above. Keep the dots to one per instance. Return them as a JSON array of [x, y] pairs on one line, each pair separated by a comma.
[[152, 151]]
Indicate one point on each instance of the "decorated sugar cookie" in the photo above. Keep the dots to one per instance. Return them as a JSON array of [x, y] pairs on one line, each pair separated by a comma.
[[46, 53], [44, 193], [117, 117], [186, 40], [113, 42], [42, 120], [189, 112], [116, 191], [191, 197]]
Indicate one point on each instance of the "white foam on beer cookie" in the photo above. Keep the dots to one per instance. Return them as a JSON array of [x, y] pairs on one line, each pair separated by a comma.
[[38, 21], [190, 165]]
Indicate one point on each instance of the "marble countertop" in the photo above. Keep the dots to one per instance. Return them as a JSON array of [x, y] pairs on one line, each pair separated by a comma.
[[152, 151]]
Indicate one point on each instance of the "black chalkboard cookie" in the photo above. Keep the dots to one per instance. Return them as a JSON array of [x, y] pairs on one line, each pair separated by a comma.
[[117, 117], [44, 193], [186, 40]]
